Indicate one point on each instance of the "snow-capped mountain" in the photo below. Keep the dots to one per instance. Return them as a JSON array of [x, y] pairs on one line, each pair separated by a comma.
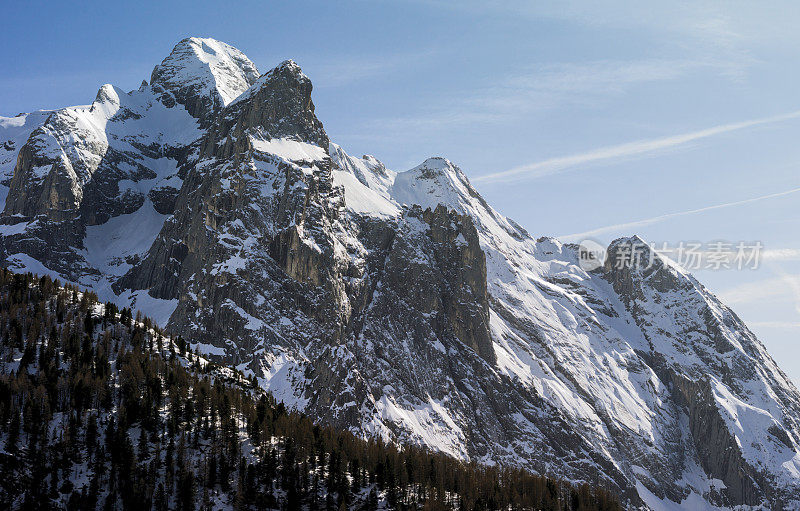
[[397, 304]]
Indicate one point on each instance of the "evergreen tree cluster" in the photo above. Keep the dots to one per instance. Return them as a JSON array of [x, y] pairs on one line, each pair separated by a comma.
[[101, 410]]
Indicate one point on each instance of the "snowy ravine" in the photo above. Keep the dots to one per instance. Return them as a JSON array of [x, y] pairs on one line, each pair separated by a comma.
[[393, 304]]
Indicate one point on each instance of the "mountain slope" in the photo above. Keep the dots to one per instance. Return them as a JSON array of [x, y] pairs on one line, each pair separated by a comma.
[[101, 411], [397, 304]]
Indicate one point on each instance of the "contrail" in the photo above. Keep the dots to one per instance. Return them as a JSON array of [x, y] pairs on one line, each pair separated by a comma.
[[555, 165], [660, 218]]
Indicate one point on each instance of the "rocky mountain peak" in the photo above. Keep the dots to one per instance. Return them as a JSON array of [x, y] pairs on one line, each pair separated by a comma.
[[287, 74], [291, 67], [633, 259], [277, 105], [204, 75], [443, 172], [436, 181], [436, 165], [107, 94]]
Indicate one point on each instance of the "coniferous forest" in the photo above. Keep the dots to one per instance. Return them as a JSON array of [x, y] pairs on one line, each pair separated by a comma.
[[99, 409]]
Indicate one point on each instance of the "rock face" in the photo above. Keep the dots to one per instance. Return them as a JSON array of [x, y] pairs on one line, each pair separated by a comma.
[[393, 304], [707, 356], [462, 297]]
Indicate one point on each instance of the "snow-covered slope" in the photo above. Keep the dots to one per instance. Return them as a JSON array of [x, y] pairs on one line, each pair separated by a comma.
[[394, 304], [664, 380]]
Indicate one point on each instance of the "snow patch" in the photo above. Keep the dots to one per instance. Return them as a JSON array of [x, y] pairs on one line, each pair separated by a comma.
[[288, 149]]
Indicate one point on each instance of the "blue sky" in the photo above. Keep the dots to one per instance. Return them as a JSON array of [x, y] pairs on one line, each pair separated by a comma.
[[676, 120]]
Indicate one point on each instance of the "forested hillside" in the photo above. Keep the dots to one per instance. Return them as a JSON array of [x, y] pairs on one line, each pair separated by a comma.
[[100, 410]]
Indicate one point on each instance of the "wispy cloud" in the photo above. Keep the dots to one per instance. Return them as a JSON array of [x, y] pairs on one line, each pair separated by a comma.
[[792, 281], [723, 26], [660, 218], [781, 254], [724, 32], [626, 150], [778, 325], [553, 84], [541, 87], [758, 291], [785, 288], [723, 40]]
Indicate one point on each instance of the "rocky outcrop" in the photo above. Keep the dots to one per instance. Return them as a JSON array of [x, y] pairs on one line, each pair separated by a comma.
[[277, 106], [45, 180], [459, 258], [163, 198], [718, 449]]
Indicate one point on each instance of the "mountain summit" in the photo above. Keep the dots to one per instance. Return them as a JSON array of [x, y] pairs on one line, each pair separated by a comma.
[[203, 75], [392, 304]]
